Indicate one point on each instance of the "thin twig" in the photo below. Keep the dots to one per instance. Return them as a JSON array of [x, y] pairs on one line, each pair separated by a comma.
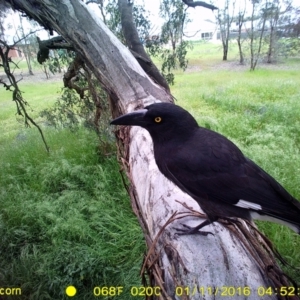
[[16, 92]]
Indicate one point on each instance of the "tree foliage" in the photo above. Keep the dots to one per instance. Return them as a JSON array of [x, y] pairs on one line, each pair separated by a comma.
[[174, 56], [4, 7], [263, 29], [224, 17]]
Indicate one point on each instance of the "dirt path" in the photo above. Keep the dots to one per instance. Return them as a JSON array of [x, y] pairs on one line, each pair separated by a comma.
[[236, 66], [37, 77]]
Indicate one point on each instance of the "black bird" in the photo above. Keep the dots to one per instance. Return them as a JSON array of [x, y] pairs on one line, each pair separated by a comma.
[[211, 169]]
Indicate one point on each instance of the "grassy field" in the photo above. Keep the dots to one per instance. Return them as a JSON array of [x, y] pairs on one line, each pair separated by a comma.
[[65, 217], [39, 96]]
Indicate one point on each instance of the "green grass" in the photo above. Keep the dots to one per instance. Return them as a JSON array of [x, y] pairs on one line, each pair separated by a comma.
[[65, 218], [39, 96]]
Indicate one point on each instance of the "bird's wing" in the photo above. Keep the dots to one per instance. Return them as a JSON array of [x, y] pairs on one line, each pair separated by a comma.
[[210, 167]]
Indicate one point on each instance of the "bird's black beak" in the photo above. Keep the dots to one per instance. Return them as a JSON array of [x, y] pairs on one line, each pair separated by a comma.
[[135, 118]]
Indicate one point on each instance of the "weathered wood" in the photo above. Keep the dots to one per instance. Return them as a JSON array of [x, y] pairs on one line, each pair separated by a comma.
[[213, 263]]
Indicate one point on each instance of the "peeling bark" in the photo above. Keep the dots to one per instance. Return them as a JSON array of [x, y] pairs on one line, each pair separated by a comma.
[[237, 255]]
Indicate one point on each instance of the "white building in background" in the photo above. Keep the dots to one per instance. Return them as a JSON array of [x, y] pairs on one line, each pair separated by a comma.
[[203, 25], [208, 31]]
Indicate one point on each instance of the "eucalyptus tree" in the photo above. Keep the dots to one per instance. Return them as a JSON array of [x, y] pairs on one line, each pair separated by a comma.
[[240, 21], [194, 267], [258, 19], [267, 19], [276, 15], [225, 17], [175, 18]]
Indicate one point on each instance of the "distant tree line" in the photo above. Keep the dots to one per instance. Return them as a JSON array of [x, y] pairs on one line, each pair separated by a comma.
[[266, 29]]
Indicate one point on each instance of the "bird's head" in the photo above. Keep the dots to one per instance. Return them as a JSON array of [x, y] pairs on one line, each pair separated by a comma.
[[162, 120]]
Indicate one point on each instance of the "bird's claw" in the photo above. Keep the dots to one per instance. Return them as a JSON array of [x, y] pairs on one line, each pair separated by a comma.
[[191, 230]]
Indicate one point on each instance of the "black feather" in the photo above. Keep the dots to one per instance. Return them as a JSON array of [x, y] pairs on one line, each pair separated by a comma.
[[213, 170]]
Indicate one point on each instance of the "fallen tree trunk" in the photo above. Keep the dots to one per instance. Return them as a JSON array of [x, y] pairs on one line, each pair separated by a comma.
[[236, 261]]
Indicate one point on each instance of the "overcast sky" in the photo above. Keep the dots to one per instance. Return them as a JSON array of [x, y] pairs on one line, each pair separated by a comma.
[[198, 15]]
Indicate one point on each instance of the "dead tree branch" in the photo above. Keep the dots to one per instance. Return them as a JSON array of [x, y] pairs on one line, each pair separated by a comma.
[[14, 88], [55, 43], [192, 3]]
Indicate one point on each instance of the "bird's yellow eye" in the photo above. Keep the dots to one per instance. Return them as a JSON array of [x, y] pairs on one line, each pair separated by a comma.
[[157, 119]]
